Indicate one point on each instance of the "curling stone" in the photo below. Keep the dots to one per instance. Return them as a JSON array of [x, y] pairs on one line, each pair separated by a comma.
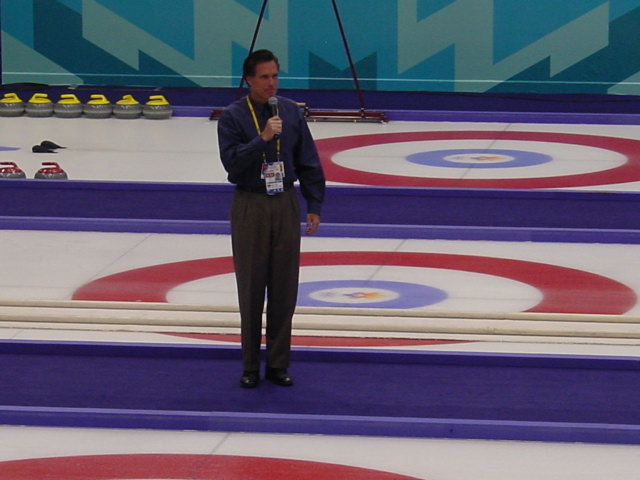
[[39, 105], [11, 105], [157, 108], [127, 107], [51, 171], [68, 106], [11, 170], [98, 107]]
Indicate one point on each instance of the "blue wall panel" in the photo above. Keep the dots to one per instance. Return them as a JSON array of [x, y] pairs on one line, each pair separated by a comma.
[[544, 46]]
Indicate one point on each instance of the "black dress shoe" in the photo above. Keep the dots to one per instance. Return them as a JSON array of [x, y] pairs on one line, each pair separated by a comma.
[[249, 379], [279, 376]]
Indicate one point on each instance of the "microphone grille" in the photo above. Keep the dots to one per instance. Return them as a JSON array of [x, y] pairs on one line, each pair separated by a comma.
[[273, 101]]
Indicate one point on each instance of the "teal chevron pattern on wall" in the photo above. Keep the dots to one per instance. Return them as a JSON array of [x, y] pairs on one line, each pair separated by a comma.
[[545, 46]]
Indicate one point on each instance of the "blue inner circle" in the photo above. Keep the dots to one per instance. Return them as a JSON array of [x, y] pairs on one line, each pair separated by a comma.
[[437, 158], [411, 295]]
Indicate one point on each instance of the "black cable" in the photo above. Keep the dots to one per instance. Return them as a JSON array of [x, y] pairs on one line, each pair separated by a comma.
[[253, 43], [348, 52]]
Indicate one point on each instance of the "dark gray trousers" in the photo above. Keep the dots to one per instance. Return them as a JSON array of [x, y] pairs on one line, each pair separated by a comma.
[[265, 237]]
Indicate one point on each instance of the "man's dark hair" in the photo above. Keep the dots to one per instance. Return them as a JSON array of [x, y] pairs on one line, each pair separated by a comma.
[[254, 58]]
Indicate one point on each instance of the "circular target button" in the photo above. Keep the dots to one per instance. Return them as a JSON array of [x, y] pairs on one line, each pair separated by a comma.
[[368, 293]]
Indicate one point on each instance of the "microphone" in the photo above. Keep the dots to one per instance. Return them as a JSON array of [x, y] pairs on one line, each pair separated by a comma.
[[273, 103]]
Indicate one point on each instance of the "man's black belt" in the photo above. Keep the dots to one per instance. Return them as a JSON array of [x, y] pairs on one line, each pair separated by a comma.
[[258, 189]]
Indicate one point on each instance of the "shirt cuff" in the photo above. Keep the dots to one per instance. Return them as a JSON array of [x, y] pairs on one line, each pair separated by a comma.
[[314, 207]]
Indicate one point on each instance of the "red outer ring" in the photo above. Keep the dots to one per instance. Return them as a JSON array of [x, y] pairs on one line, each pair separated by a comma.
[[628, 172], [197, 467], [565, 290]]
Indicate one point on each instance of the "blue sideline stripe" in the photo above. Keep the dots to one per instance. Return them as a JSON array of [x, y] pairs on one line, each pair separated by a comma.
[[320, 423], [420, 232], [400, 427], [320, 354], [471, 116]]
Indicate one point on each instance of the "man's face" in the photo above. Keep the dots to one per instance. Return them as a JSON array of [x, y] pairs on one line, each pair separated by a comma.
[[264, 83]]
